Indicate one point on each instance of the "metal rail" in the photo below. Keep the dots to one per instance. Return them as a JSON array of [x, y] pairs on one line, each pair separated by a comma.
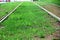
[[3, 18]]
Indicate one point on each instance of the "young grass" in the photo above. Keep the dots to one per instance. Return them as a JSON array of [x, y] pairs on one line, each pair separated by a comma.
[[26, 22], [5, 8]]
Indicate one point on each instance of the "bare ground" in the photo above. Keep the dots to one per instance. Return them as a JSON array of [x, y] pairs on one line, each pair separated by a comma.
[[54, 9]]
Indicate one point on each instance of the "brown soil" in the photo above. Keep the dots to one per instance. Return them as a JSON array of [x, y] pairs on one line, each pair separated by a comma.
[[1, 26], [55, 36], [54, 9], [1, 9]]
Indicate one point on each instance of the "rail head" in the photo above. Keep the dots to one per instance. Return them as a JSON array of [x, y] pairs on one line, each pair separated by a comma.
[[3, 18]]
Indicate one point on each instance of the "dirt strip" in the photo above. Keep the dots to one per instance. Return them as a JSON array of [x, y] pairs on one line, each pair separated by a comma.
[[54, 9], [4, 17]]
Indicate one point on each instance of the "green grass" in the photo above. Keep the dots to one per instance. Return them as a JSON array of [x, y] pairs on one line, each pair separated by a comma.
[[57, 2], [7, 7], [26, 23]]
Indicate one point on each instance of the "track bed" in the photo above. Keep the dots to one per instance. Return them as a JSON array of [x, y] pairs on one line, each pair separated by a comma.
[[28, 22]]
